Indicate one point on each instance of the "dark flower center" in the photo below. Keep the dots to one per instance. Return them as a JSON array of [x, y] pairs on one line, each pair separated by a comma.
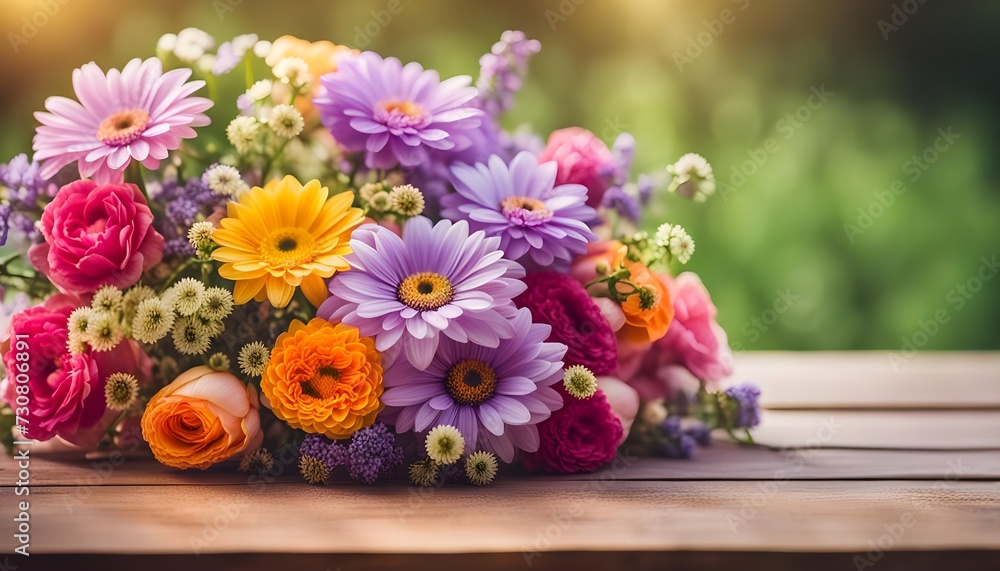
[[425, 291], [471, 382]]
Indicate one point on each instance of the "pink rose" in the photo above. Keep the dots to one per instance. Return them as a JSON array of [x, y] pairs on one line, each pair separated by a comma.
[[65, 392], [96, 235], [624, 401], [580, 437], [694, 346], [582, 159]]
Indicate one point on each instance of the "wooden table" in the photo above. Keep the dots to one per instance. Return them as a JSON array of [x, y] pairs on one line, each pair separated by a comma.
[[865, 463]]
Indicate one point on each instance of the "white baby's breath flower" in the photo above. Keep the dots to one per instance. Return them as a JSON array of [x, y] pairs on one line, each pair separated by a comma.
[[187, 296], [286, 121], [167, 43], [253, 359], [380, 201], [662, 236], [293, 71], [79, 321], [445, 444], [218, 362], [107, 299], [692, 178], [368, 190], [153, 319], [120, 391], [681, 245], [200, 234], [133, 297], [242, 133], [260, 90], [190, 337], [104, 332], [225, 180], [262, 49], [406, 200], [218, 303], [192, 43], [481, 468], [580, 382]]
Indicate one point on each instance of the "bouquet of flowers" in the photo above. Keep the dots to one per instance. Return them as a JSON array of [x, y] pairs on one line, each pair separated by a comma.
[[357, 264]]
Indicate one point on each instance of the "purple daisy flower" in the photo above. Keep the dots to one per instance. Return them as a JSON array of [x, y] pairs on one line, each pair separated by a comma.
[[397, 114], [494, 396], [406, 292], [137, 113], [520, 203]]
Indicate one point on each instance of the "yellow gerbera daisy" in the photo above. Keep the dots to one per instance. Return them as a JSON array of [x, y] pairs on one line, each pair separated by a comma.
[[283, 236]]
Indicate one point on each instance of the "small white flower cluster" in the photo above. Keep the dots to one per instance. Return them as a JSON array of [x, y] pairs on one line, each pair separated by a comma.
[[293, 72], [283, 122], [392, 197], [225, 180], [189, 310], [692, 178], [189, 45], [673, 239], [445, 445]]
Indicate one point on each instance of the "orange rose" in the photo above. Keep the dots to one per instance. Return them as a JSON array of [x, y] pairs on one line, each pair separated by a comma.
[[647, 316], [202, 418], [320, 57], [324, 378]]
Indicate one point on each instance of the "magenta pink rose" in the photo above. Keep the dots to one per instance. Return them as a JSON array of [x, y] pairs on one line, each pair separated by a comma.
[[580, 437], [64, 393], [96, 235], [694, 346], [582, 158]]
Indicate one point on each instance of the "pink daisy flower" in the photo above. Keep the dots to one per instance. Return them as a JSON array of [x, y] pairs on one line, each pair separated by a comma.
[[137, 113]]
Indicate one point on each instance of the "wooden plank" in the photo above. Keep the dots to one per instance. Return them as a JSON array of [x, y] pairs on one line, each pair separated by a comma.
[[872, 379], [553, 561], [517, 516], [722, 461], [904, 429]]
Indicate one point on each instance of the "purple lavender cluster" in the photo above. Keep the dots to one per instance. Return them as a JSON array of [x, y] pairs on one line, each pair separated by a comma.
[[502, 71], [185, 202], [745, 397], [627, 199], [680, 442], [371, 453], [25, 194]]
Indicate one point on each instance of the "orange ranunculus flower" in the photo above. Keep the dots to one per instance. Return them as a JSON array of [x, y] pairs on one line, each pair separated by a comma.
[[202, 418], [321, 57], [324, 378], [610, 254], [647, 317]]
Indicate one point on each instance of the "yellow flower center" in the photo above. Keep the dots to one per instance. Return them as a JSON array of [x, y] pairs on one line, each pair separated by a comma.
[[471, 382], [408, 108], [324, 384], [287, 247], [425, 291], [123, 127]]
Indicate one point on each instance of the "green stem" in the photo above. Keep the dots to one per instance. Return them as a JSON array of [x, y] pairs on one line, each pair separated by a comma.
[[267, 167], [134, 174], [174, 275], [248, 69]]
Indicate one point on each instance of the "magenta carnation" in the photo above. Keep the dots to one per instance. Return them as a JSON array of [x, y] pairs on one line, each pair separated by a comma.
[[580, 437], [582, 158], [96, 235], [137, 113], [66, 391], [577, 322]]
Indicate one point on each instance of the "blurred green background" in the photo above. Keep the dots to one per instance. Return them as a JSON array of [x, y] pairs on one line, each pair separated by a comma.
[[684, 75]]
